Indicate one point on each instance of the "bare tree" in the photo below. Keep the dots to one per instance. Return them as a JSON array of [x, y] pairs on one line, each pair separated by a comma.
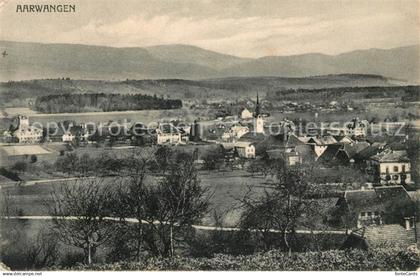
[[6, 203], [44, 251], [174, 204], [131, 196], [80, 210], [279, 208]]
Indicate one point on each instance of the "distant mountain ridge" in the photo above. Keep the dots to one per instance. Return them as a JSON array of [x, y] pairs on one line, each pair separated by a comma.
[[27, 60]]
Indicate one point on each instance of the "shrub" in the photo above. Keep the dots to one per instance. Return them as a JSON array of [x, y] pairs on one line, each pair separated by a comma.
[[351, 260], [34, 158], [20, 166]]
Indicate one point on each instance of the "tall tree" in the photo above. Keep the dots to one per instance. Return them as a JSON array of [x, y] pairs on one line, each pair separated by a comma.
[[279, 208], [174, 204], [131, 198], [79, 211]]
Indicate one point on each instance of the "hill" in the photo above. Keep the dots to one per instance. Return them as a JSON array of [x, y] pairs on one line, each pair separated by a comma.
[[400, 63], [22, 93], [194, 55], [37, 61]]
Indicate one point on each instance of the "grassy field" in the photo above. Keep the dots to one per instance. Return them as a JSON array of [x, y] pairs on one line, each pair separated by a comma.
[[225, 189]]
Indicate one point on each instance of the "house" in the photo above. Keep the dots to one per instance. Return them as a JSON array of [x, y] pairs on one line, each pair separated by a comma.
[[68, 136], [245, 114], [390, 167], [320, 144], [343, 139], [75, 133], [26, 133], [374, 206], [346, 154], [245, 149], [235, 132], [290, 156], [167, 133], [395, 235], [365, 154], [291, 148]]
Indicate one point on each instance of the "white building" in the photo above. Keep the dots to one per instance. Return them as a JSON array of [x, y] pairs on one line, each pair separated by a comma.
[[246, 114], [245, 149], [235, 132], [391, 167], [168, 134], [68, 137], [26, 133]]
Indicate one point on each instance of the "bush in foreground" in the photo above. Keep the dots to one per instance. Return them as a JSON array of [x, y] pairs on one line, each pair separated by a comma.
[[350, 260]]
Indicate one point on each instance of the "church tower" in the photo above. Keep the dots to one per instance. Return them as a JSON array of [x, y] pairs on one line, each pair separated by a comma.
[[259, 121], [257, 107]]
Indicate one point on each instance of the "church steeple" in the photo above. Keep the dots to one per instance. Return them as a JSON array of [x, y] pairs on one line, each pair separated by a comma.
[[257, 107]]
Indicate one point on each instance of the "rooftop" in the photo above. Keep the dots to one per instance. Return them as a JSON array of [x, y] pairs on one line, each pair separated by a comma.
[[391, 156]]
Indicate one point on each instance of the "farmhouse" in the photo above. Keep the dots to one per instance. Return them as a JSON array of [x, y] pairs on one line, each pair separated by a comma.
[[400, 236], [374, 206], [167, 133], [320, 144], [245, 149]]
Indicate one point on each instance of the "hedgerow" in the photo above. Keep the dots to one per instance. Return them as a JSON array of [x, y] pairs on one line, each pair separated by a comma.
[[344, 260]]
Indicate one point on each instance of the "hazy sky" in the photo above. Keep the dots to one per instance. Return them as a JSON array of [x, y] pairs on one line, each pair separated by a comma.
[[250, 28]]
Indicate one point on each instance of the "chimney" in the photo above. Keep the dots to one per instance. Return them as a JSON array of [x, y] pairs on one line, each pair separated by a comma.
[[408, 223]]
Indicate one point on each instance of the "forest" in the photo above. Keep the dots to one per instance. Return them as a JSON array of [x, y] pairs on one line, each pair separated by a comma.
[[406, 93], [73, 103]]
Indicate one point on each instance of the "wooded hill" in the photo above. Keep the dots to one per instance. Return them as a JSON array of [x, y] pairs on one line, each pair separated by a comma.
[[68, 103]]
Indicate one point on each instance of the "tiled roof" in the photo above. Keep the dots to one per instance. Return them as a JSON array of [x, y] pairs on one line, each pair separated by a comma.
[[253, 137], [389, 234], [330, 153], [383, 198], [322, 141], [363, 201], [168, 128], [352, 149], [391, 156], [369, 151]]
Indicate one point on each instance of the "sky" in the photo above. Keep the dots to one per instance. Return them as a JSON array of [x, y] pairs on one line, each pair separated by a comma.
[[247, 28]]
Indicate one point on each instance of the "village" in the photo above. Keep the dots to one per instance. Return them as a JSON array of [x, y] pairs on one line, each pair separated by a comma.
[[374, 206]]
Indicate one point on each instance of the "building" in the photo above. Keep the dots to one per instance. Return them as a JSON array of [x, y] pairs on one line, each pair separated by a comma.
[[235, 132], [390, 167], [290, 156], [395, 235], [259, 124], [167, 133], [374, 206], [68, 136], [320, 144], [245, 114], [259, 118], [26, 133], [245, 149]]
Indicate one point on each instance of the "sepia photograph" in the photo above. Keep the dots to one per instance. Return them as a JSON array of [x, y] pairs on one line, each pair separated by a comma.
[[209, 135]]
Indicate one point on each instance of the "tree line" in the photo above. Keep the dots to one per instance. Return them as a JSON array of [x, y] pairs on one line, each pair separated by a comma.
[[73, 103], [407, 93]]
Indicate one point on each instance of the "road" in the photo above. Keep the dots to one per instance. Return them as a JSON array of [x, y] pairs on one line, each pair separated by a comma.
[[198, 227], [40, 181]]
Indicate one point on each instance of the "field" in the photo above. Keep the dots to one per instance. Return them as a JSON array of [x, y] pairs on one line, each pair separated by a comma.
[[9, 154], [24, 150], [225, 188]]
